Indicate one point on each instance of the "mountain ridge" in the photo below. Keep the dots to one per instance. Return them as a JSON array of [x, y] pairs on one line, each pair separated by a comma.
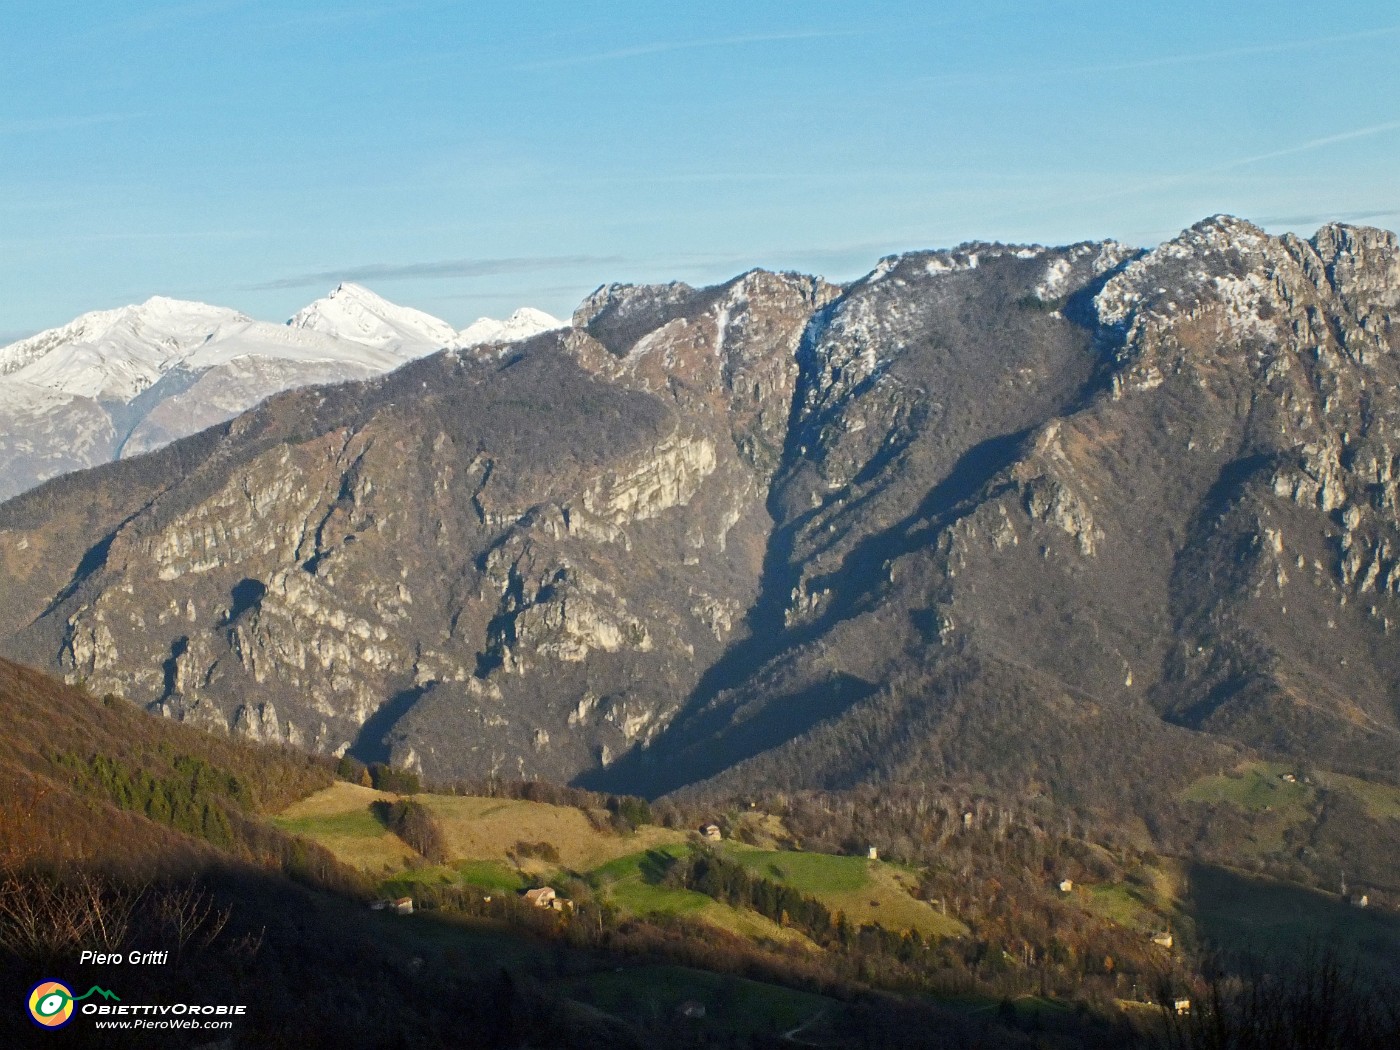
[[1036, 513], [116, 382]]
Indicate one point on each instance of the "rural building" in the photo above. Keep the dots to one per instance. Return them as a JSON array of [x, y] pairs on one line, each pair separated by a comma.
[[1164, 939], [872, 854], [711, 832], [543, 897], [1181, 1006], [1066, 885], [403, 906]]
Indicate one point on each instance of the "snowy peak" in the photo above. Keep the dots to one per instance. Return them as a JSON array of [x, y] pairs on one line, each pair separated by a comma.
[[355, 313], [115, 354], [525, 323]]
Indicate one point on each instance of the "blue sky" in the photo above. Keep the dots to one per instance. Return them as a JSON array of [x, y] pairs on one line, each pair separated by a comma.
[[467, 158]]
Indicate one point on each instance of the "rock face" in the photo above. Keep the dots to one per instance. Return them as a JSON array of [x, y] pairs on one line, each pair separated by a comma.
[[1059, 516]]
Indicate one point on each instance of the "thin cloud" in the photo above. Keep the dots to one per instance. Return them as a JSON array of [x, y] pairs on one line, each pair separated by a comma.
[[664, 46], [1312, 144], [521, 295], [443, 268], [1184, 177], [1322, 218], [1192, 58], [40, 125], [161, 19]]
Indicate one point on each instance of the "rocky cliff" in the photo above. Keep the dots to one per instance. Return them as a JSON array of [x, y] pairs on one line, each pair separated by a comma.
[[1053, 515]]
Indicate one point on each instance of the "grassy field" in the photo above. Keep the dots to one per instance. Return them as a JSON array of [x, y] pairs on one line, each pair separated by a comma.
[[865, 891], [814, 873], [1258, 787], [476, 829], [1144, 903], [732, 1004], [487, 829], [489, 875], [339, 818], [1122, 903], [634, 884], [1272, 919], [1381, 801], [481, 833]]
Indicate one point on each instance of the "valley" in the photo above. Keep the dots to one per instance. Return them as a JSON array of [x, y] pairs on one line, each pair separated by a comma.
[[994, 647]]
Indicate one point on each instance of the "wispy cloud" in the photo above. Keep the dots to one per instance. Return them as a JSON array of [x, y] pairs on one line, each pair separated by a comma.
[[160, 20], [71, 122], [263, 18], [1182, 178], [1319, 218], [343, 15], [1163, 61], [660, 47], [518, 295], [1310, 145], [48, 239], [441, 268]]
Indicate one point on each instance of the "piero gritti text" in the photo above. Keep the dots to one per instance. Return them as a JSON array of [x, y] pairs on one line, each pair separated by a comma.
[[134, 958]]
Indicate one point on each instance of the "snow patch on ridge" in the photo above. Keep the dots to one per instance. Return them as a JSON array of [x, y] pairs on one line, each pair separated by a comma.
[[525, 323]]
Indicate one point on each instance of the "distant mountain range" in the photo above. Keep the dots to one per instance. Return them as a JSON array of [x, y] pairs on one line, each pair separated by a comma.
[[1087, 521], [115, 383]]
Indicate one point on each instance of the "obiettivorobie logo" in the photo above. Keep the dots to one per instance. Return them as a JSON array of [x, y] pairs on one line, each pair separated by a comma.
[[51, 1003]]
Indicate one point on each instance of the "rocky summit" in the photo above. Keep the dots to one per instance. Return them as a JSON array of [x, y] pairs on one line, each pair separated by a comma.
[[1075, 519]]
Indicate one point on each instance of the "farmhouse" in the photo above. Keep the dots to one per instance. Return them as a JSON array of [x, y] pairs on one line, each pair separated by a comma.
[[1066, 885], [543, 897], [711, 832], [1163, 939]]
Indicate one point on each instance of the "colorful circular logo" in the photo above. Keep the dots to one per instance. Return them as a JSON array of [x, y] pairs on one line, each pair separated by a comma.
[[51, 1004]]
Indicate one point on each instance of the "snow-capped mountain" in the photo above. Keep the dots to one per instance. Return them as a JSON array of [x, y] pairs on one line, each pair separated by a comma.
[[523, 324], [115, 383], [356, 314], [114, 354]]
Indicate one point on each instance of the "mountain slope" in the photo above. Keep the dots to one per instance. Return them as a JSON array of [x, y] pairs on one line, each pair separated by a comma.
[[1084, 520], [1198, 534]]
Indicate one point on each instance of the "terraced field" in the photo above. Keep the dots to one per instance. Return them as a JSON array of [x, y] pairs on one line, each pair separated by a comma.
[[339, 818], [634, 883], [482, 836], [865, 891], [489, 828]]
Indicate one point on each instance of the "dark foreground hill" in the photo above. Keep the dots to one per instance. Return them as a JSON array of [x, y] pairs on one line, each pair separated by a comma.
[[1084, 521], [121, 832]]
